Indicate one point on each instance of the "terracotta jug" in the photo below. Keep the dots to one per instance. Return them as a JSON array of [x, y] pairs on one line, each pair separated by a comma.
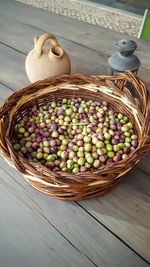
[[46, 61]]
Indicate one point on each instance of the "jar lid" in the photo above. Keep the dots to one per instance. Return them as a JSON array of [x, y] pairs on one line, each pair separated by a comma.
[[127, 45]]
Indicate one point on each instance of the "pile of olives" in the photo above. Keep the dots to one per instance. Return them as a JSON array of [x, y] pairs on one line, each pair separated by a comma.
[[74, 135]]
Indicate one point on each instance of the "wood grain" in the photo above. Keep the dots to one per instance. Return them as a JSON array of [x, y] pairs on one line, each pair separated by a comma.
[[37, 211], [12, 70], [20, 37], [4, 93], [98, 38], [27, 237], [126, 211]]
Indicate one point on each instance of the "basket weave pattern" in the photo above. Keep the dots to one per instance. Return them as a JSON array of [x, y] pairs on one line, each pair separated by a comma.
[[113, 89]]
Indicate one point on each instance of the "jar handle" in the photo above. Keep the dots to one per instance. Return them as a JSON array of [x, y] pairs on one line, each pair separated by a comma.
[[39, 42]]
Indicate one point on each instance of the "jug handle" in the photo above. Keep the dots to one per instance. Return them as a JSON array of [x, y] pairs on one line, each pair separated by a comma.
[[39, 42]]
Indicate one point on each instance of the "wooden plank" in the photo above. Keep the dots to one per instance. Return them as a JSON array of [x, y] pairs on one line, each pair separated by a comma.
[[12, 71], [27, 237], [83, 60], [37, 211], [4, 93], [144, 164], [20, 37], [94, 37], [126, 211]]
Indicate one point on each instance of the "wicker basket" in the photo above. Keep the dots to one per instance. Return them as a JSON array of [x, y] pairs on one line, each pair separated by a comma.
[[92, 183]]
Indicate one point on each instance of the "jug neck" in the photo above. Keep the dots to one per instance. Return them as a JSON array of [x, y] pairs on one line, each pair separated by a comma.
[[56, 53]]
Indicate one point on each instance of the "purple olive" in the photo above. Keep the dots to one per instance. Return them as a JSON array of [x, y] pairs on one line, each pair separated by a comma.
[[53, 126], [60, 112], [119, 126], [126, 150], [114, 141], [132, 149], [117, 158], [46, 134], [101, 137], [118, 133], [49, 165], [64, 127], [33, 109], [94, 123], [29, 150], [134, 143], [60, 130], [117, 137], [80, 143], [35, 145], [113, 127], [58, 142], [48, 125], [39, 139], [56, 169], [41, 132], [53, 149], [102, 158], [112, 121], [110, 161], [64, 155]]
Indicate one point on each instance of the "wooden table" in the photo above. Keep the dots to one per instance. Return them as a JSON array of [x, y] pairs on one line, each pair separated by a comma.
[[37, 230]]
